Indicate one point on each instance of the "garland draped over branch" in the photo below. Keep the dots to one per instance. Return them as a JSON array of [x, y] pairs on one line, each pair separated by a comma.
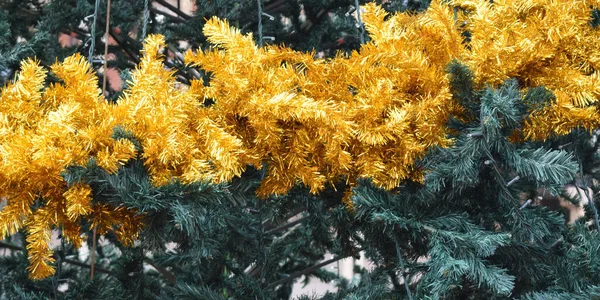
[[371, 114]]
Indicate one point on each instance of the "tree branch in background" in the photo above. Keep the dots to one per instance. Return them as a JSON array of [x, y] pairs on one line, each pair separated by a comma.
[[173, 9], [168, 16], [69, 261], [286, 226], [121, 43], [170, 277], [306, 271]]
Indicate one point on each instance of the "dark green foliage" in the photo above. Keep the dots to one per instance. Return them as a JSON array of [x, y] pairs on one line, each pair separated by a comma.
[[538, 98], [18, 41], [461, 83], [595, 20], [227, 238], [591, 293]]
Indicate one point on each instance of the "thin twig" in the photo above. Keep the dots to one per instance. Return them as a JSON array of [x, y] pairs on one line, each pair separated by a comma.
[[93, 250], [557, 242], [93, 32], [105, 77], [170, 277], [361, 28], [504, 187], [261, 244], [11, 246], [185, 80], [305, 271], [83, 265], [120, 42], [401, 263], [69, 261], [260, 30], [286, 226], [255, 268], [173, 18], [173, 9], [146, 19]]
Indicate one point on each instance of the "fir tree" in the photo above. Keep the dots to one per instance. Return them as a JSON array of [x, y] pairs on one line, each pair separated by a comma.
[[423, 148]]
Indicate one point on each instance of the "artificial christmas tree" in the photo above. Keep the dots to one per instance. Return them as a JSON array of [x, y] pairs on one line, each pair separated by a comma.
[[423, 148]]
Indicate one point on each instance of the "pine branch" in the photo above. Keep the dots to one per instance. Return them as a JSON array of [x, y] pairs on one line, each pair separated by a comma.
[[545, 165]]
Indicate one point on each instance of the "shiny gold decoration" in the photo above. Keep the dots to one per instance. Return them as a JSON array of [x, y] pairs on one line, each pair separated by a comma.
[[540, 43], [43, 132], [370, 115]]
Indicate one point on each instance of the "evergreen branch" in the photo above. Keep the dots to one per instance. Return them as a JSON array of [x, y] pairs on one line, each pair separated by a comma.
[[186, 77], [170, 277], [544, 165], [69, 261], [505, 189], [187, 291], [306, 271], [128, 40]]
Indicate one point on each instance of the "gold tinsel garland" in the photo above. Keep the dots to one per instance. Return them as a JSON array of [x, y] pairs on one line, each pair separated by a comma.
[[370, 114]]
